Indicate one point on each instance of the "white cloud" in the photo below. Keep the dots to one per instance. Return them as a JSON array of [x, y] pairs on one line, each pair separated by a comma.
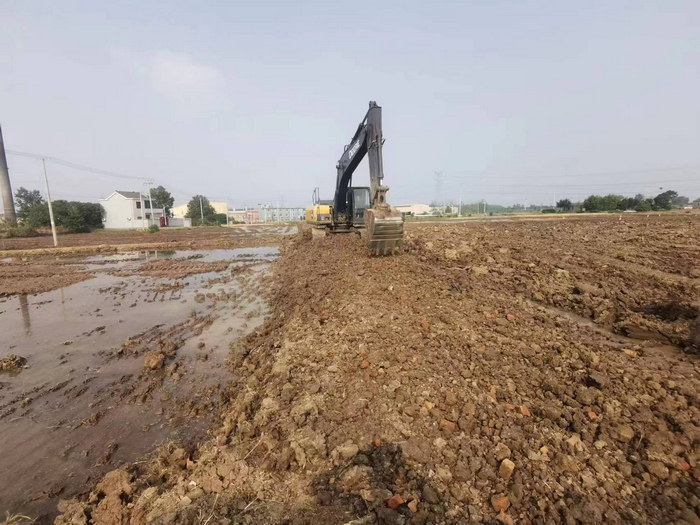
[[183, 81], [179, 77]]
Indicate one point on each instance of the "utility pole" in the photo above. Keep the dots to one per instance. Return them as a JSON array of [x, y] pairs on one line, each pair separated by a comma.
[[438, 188], [5, 187], [48, 200], [201, 210]]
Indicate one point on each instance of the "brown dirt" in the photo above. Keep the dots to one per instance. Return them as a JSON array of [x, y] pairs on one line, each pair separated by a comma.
[[238, 236], [23, 277], [511, 372], [175, 268], [34, 266]]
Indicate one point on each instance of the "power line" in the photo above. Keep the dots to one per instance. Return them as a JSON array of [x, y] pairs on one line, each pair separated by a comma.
[[468, 174], [76, 166], [90, 169]]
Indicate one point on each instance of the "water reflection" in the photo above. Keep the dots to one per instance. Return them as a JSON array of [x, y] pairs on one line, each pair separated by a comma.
[[26, 320]]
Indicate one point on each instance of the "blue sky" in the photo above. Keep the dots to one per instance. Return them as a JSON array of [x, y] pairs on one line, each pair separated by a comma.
[[253, 101]]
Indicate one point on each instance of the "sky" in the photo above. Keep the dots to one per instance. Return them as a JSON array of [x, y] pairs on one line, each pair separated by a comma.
[[252, 101]]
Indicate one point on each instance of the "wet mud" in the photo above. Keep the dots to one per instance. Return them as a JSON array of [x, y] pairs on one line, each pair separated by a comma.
[[117, 364]]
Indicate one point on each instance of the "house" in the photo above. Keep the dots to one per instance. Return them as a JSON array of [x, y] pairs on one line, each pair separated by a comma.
[[275, 214], [248, 216], [414, 209], [129, 209], [181, 210], [219, 206]]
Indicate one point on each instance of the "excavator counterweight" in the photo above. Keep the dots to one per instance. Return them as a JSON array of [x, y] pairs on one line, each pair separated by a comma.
[[363, 208]]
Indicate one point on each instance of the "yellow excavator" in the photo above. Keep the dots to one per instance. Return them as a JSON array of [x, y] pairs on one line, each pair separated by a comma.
[[361, 208]]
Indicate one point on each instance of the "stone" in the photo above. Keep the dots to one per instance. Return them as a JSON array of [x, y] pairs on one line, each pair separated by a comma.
[[506, 469], [154, 361], [347, 451], [395, 501], [500, 503], [448, 426], [506, 519], [525, 411], [444, 474], [430, 495], [568, 463], [597, 380], [439, 443], [501, 452], [450, 398], [574, 443], [658, 469], [480, 270], [625, 433]]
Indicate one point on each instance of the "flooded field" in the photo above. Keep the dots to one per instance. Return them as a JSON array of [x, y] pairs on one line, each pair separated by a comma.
[[131, 357]]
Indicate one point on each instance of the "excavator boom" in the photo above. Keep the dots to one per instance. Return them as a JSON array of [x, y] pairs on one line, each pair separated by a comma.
[[383, 225]]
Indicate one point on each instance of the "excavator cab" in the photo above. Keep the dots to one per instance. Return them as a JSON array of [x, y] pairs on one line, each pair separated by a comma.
[[358, 201]]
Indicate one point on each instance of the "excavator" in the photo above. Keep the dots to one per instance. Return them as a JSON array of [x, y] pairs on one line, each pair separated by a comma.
[[361, 208]]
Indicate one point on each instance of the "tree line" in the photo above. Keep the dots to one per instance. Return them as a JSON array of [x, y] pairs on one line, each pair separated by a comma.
[[72, 216], [667, 200]]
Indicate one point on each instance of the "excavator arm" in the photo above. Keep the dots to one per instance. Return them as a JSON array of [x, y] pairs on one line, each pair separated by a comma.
[[384, 224]]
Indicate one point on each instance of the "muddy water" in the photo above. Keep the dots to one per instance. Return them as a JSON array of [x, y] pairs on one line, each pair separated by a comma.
[[85, 403]]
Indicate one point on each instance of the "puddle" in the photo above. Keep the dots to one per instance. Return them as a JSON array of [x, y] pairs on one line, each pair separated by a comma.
[[86, 404]]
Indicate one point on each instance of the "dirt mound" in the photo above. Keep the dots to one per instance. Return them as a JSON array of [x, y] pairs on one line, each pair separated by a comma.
[[175, 268], [459, 382], [20, 277], [12, 364]]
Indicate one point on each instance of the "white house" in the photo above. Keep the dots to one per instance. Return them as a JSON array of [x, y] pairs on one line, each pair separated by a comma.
[[181, 210], [129, 209], [414, 209], [276, 214]]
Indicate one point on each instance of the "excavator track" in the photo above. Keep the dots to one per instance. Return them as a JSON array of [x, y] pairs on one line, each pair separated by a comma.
[[384, 230]]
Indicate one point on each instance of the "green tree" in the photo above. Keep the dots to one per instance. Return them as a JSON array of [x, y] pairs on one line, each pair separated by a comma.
[[162, 199], [598, 203], [76, 217], [38, 215], [664, 201], [199, 206], [696, 203], [644, 205], [565, 204], [219, 218], [681, 201], [593, 204], [25, 199]]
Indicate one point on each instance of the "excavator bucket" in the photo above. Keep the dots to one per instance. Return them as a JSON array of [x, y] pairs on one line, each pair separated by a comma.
[[384, 230]]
